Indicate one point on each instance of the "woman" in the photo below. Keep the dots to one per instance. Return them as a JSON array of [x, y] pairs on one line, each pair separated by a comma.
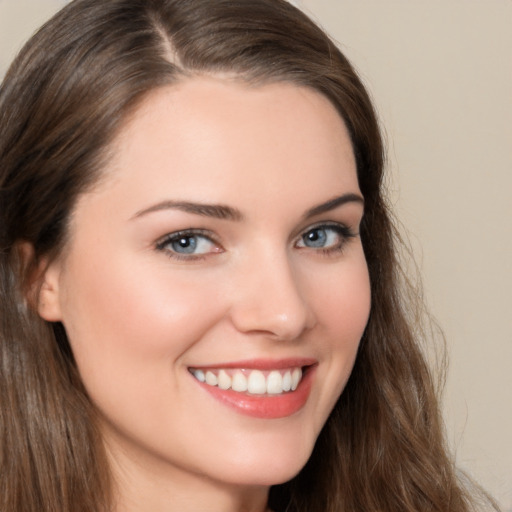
[[195, 312]]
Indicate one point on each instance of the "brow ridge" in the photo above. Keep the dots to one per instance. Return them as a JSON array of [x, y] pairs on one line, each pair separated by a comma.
[[224, 212], [217, 211], [334, 203]]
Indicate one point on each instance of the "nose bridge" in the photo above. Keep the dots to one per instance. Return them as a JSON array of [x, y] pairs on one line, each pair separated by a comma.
[[269, 296]]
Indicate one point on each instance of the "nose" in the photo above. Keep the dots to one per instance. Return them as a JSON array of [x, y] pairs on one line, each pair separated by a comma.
[[270, 299]]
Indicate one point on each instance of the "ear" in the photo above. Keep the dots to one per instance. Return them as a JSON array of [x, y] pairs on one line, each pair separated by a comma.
[[42, 285], [48, 299]]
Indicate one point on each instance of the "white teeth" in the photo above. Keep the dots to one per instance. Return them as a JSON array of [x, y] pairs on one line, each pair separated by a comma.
[[224, 380], [239, 382], [255, 382], [287, 381], [296, 377], [199, 375], [274, 383], [211, 379]]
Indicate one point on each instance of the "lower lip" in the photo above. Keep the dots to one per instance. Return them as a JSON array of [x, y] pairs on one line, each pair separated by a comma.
[[265, 406]]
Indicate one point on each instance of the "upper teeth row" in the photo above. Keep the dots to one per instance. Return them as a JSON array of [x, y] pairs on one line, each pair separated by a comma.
[[254, 381]]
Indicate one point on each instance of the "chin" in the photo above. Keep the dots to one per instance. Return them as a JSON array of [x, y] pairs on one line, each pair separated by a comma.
[[267, 467]]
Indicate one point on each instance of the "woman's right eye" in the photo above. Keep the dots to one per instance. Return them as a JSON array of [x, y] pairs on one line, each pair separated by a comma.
[[188, 244]]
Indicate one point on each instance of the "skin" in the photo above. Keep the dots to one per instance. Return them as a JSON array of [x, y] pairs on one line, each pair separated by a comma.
[[139, 315]]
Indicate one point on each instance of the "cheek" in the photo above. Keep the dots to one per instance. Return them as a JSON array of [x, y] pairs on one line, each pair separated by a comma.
[[129, 332], [118, 316], [342, 301]]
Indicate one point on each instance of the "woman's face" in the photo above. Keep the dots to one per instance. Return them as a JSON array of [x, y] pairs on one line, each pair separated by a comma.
[[217, 262]]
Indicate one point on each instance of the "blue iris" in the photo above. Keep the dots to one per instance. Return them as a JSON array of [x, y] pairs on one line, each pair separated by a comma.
[[315, 238], [184, 244]]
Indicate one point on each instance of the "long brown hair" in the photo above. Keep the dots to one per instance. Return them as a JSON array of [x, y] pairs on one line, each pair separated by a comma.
[[61, 104]]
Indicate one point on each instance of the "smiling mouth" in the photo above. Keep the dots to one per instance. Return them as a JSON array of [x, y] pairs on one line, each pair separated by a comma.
[[253, 382]]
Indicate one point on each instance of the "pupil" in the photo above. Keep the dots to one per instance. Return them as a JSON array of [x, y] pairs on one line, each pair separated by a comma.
[[316, 238], [186, 244]]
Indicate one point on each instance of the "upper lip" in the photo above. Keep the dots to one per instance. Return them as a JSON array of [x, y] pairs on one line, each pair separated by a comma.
[[262, 364]]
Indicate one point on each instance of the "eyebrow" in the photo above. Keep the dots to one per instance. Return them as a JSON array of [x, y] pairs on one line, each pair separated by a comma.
[[334, 203], [217, 211], [224, 212]]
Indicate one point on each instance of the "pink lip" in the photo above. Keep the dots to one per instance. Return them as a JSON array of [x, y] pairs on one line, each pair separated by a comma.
[[266, 406], [263, 364]]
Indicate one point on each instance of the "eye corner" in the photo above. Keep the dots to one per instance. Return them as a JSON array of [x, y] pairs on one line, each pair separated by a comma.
[[325, 237]]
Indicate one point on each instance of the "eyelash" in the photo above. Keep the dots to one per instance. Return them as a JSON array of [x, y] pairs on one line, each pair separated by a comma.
[[162, 244], [344, 233]]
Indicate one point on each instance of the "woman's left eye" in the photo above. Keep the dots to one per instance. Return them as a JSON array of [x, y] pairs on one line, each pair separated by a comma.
[[325, 237], [187, 244]]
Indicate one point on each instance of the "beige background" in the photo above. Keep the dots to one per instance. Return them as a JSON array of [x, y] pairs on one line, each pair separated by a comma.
[[441, 75]]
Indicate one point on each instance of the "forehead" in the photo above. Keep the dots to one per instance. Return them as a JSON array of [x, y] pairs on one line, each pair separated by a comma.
[[211, 136]]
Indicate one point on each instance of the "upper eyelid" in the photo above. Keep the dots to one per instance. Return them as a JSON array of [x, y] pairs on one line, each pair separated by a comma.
[[211, 236], [343, 232], [325, 224], [184, 233]]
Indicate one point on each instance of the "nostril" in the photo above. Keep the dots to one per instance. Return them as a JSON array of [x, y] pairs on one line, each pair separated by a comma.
[[269, 300]]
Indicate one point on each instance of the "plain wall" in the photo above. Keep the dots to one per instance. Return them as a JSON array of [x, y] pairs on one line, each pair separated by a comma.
[[441, 75], [440, 72]]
